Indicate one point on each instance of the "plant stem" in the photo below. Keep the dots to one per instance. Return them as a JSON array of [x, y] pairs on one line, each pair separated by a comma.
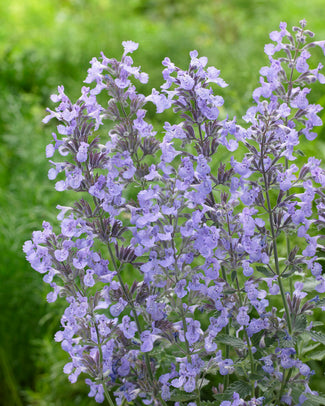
[[226, 377], [250, 353], [276, 257], [285, 380], [289, 90], [107, 395], [130, 302], [137, 321]]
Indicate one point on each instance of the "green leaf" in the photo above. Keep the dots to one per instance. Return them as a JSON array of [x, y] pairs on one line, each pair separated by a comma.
[[209, 403], [310, 284], [220, 397], [285, 341], [241, 367], [203, 382], [256, 377], [300, 323], [312, 400], [317, 355], [305, 349], [229, 290], [241, 387], [317, 323], [256, 338], [179, 396], [320, 303], [290, 271], [317, 336], [231, 341], [268, 385], [299, 152], [265, 271], [315, 400], [233, 275]]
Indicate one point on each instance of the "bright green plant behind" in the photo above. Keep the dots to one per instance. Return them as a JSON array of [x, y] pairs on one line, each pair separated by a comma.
[[50, 42]]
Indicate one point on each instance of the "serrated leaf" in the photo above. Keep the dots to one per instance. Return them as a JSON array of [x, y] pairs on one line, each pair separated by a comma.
[[268, 389], [285, 341], [317, 355], [265, 271], [256, 338], [306, 349], [241, 387], [300, 323], [312, 400], [209, 403], [315, 400], [317, 336], [317, 323], [220, 397], [178, 396], [240, 371], [241, 367], [256, 377], [231, 341]]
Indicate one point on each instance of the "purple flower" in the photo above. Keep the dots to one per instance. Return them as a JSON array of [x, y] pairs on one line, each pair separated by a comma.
[[285, 178], [202, 168], [301, 64], [187, 374], [226, 367], [285, 357], [247, 269], [89, 278], [162, 102], [128, 327], [213, 76], [82, 152], [298, 290], [129, 46], [118, 308], [179, 288], [74, 178], [242, 317], [156, 310], [148, 340], [52, 296], [186, 82], [256, 325], [268, 364], [194, 331]]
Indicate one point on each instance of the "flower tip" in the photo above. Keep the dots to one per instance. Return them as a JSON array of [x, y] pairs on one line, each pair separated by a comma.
[[129, 46], [303, 23]]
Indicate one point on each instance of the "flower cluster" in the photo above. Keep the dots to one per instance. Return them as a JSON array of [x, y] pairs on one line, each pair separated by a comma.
[[225, 254]]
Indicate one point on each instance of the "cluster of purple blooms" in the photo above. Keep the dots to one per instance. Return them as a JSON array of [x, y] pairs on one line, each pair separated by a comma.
[[226, 253]]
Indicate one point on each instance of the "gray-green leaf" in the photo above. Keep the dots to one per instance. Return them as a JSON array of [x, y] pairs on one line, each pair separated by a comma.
[[231, 341]]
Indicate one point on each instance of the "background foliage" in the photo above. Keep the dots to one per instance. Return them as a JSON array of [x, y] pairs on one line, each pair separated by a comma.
[[50, 42]]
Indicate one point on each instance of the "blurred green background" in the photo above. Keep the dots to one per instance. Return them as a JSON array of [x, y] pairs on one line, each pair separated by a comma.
[[45, 43]]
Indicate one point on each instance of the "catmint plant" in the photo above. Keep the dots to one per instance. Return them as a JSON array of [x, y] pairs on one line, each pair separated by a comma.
[[225, 255]]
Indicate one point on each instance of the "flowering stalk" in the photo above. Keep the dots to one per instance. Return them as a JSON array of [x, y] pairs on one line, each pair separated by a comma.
[[202, 320]]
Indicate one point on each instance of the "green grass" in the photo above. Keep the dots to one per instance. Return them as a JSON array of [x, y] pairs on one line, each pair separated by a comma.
[[50, 42]]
